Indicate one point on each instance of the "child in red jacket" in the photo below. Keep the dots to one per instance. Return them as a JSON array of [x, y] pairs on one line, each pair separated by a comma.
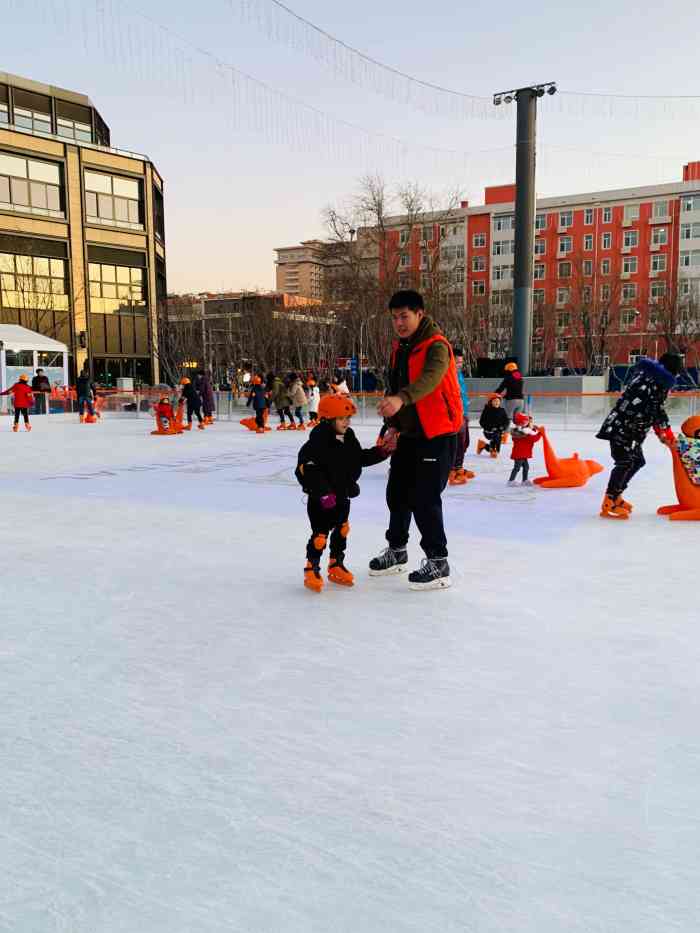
[[525, 436], [23, 398]]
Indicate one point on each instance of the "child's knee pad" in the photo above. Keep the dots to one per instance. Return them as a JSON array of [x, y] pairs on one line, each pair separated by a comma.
[[319, 541], [344, 529]]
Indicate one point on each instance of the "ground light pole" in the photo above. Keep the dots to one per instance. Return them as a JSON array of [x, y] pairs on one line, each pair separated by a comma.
[[525, 163]]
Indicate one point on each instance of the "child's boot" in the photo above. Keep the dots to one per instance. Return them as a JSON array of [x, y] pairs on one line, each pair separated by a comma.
[[610, 509], [451, 477], [200, 426], [187, 427], [481, 446], [339, 573], [281, 427], [82, 419], [312, 577], [15, 428], [625, 506], [27, 426], [493, 454]]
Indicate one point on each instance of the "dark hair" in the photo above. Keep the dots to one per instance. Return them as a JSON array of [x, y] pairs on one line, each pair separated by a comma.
[[673, 362], [458, 351], [406, 298]]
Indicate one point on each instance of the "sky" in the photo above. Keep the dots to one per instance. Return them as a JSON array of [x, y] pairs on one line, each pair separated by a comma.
[[250, 170]]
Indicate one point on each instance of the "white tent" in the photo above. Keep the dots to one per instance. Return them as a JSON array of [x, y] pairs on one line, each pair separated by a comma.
[[23, 351]]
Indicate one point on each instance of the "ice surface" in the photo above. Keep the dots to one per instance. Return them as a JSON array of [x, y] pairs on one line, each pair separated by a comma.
[[191, 742]]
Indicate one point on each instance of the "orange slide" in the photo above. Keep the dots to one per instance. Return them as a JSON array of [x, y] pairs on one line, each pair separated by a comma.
[[688, 507], [565, 473]]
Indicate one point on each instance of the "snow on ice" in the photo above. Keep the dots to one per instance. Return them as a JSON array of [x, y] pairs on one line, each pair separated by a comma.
[[193, 743]]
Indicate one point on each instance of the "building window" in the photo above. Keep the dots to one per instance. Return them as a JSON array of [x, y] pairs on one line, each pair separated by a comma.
[[658, 262], [116, 289], [479, 287], [425, 280], [540, 247], [158, 214], [607, 215], [587, 267], [587, 294], [563, 319], [564, 270], [634, 356], [631, 212], [503, 248], [629, 292], [631, 238], [403, 280], [629, 265], [605, 267], [404, 260], [588, 216], [33, 120], [588, 242], [4, 113], [565, 245], [504, 223], [659, 236], [657, 291], [540, 270], [628, 318], [605, 293], [540, 221], [607, 241], [30, 186], [660, 209], [690, 258], [562, 345], [459, 276], [563, 296], [496, 299], [403, 237], [426, 234], [424, 259], [688, 231], [33, 282], [72, 129], [538, 296], [479, 240], [112, 200], [691, 203], [566, 219], [499, 273], [478, 263]]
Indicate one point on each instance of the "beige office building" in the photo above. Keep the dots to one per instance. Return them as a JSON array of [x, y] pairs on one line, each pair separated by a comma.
[[82, 240], [301, 269]]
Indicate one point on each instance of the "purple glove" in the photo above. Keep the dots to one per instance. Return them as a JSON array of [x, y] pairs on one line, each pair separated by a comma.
[[328, 502]]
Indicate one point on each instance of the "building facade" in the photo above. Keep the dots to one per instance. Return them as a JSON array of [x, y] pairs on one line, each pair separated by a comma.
[[301, 270], [82, 236]]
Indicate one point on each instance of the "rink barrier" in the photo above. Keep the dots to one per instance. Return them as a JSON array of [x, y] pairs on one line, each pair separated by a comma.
[[565, 411]]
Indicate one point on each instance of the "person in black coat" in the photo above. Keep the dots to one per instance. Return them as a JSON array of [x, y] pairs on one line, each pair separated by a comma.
[[257, 399], [328, 468], [41, 387], [494, 421], [194, 403], [512, 390], [639, 409]]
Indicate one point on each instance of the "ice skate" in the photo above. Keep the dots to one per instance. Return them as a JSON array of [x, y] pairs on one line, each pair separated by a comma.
[[281, 427], [434, 574], [481, 446], [610, 509], [467, 473], [200, 426], [291, 427], [457, 478], [338, 573], [391, 560], [312, 578], [528, 482], [493, 454], [187, 427], [620, 503], [27, 426], [15, 428], [512, 482]]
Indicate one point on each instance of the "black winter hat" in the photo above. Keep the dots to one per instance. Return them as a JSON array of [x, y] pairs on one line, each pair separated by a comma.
[[673, 362]]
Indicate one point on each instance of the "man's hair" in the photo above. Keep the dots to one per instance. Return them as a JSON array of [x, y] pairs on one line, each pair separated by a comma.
[[40, 370], [406, 298]]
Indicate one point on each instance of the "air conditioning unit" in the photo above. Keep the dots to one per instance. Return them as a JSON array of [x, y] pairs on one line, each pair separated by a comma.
[[654, 247], [625, 275], [561, 229], [653, 274], [627, 223], [626, 249]]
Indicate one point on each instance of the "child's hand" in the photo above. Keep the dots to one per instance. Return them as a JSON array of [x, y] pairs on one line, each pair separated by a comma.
[[391, 439], [329, 501]]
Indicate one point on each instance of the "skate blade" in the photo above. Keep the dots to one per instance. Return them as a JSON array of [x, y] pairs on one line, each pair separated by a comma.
[[442, 584], [390, 571]]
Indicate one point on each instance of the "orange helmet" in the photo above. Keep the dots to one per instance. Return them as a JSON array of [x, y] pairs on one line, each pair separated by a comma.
[[311, 383], [336, 406], [510, 367], [185, 381], [24, 378], [691, 426], [257, 381]]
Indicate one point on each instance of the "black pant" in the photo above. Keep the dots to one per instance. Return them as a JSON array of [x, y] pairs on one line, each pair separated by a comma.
[[494, 438], [281, 412], [629, 459], [462, 445], [325, 522], [193, 408], [24, 412], [520, 464], [260, 417], [418, 475], [299, 416]]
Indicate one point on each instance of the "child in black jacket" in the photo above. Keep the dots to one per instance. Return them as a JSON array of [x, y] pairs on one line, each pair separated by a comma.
[[258, 399], [494, 421], [329, 466]]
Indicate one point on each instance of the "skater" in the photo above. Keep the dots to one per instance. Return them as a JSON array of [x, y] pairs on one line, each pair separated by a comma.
[[279, 396], [41, 387], [494, 422], [458, 475], [206, 393], [511, 391], [22, 399], [425, 406], [85, 390], [328, 468], [639, 408], [194, 403], [314, 399], [258, 400], [298, 397], [525, 436]]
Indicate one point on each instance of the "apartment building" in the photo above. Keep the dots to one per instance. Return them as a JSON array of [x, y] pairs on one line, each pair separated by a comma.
[[82, 235], [300, 270]]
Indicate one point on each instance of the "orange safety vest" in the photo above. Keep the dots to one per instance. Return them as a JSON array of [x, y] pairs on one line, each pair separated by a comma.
[[440, 412]]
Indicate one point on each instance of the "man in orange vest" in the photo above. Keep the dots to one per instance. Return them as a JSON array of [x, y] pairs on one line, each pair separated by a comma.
[[424, 405]]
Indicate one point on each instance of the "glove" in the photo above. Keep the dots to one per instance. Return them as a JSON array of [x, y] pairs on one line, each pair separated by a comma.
[[665, 435], [328, 502], [391, 439]]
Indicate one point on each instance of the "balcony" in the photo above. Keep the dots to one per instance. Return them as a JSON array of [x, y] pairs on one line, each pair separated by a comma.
[[627, 249], [654, 247], [666, 219], [625, 275]]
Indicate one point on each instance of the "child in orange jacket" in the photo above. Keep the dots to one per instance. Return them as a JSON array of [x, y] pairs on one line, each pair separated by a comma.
[[23, 399], [525, 436]]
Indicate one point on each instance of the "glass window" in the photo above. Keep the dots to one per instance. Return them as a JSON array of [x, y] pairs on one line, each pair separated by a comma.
[[127, 188], [121, 210], [504, 222], [629, 264], [479, 287], [658, 262], [588, 216], [109, 273], [588, 241], [607, 215], [99, 183], [691, 203], [12, 165], [607, 241], [20, 192], [44, 171], [540, 222], [539, 270], [41, 266], [4, 113], [38, 195], [605, 267], [7, 262], [631, 211], [565, 244], [660, 209], [659, 236], [564, 270], [588, 267], [479, 240], [23, 118], [566, 218], [105, 207], [479, 263], [631, 238], [4, 190], [540, 247]]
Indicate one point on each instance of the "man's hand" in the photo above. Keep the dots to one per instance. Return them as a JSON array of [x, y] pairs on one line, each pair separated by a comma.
[[390, 441], [388, 406]]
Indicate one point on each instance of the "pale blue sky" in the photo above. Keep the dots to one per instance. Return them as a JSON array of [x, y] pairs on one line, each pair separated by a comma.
[[233, 194]]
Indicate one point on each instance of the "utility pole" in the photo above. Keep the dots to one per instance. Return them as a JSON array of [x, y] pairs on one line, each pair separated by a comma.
[[525, 166]]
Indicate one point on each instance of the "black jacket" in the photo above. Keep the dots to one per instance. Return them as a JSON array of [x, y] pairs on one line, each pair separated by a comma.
[[327, 464], [494, 419], [512, 385], [641, 405], [190, 394], [41, 384], [85, 386], [257, 398]]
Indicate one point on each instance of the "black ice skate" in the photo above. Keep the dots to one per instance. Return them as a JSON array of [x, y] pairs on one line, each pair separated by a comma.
[[434, 574], [391, 560]]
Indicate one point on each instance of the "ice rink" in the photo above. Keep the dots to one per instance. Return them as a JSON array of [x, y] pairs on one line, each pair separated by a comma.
[[193, 743]]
